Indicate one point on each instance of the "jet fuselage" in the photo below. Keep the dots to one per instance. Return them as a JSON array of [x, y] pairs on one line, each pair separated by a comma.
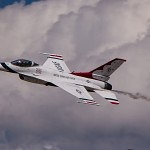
[[33, 73]]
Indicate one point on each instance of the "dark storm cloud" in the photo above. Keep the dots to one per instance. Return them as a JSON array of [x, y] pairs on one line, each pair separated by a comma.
[[88, 33]]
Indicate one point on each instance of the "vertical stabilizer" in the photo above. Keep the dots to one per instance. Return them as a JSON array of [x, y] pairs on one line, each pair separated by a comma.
[[103, 72]]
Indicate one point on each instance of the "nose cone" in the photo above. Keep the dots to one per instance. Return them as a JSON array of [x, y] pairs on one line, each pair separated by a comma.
[[2, 67]]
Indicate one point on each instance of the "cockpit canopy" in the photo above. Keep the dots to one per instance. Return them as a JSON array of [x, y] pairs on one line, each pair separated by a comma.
[[24, 63]]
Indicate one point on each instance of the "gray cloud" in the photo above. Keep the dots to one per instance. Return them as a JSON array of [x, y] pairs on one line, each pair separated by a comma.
[[87, 33]]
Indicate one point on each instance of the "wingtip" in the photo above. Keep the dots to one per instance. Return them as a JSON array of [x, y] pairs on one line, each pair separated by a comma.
[[116, 103], [113, 101]]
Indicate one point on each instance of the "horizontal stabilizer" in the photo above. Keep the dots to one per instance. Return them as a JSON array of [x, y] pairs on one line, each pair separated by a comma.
[[108, 95]]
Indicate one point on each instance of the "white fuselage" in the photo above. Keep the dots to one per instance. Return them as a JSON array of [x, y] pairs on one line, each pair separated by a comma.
[[32, 74]]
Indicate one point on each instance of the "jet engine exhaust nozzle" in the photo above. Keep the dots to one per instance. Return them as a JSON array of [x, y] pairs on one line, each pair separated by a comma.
[[108, 86]]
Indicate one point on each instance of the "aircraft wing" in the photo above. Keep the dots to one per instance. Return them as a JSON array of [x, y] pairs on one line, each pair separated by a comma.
[[76, 90], [108, 95], [56, 62]]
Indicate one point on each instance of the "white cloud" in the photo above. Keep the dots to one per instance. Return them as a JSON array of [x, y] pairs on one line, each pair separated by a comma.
[[122, 23], [84, 31], [25, 28]]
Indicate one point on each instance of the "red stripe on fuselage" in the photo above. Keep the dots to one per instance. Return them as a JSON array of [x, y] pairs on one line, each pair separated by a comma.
[[83, 74]]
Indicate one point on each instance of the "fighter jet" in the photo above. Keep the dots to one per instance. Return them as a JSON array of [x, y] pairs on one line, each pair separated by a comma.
[[54, 72]]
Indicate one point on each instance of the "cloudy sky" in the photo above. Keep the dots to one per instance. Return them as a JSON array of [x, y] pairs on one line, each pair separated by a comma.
[[87, 33]]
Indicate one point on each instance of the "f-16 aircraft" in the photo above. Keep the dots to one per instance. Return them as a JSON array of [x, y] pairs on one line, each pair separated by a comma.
[[54, 72]]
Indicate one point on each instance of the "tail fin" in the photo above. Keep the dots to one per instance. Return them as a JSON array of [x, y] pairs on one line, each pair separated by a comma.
[[103, 72]]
